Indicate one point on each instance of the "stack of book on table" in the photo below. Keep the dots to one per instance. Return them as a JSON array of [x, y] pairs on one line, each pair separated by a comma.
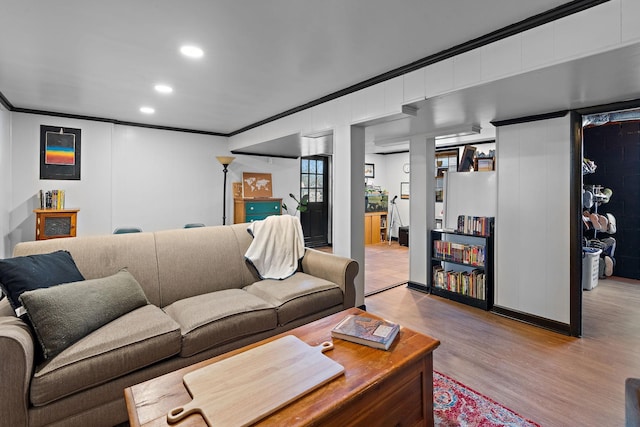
[[375, 333]]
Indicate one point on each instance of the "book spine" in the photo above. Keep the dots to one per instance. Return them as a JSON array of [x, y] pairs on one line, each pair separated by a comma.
[[475, 225], [52, 199]]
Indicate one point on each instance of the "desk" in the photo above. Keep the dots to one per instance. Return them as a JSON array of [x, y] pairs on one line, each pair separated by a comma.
[[379, 387]]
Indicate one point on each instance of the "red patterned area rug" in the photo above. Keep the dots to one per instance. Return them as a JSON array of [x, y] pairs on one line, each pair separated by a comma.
[[456, 405]]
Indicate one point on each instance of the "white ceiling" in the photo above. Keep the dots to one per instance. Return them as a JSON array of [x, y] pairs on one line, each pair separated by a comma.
[[609, 77], [262, 57]]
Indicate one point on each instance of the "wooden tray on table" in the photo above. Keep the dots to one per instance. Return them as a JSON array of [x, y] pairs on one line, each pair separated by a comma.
[[245, 388]]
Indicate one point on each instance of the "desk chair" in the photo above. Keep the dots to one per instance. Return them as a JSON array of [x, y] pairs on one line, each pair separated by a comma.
[[123, 230]]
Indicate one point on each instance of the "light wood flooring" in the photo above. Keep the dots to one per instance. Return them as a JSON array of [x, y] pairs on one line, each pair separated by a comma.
[[385, 265], [548, 377]]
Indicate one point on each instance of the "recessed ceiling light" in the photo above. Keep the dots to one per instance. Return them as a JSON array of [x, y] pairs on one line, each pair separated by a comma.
[[192, 51], [163, 88], [147, 110]]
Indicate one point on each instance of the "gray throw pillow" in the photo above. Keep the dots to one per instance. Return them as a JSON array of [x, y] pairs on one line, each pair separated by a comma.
[[61, 315]]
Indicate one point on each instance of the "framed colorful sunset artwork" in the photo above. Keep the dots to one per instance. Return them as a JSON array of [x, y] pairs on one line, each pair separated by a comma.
[[59, 153]]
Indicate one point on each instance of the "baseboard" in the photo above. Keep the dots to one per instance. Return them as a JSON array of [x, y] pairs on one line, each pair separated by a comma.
[[534, 320], [386, 288], [418, 286]]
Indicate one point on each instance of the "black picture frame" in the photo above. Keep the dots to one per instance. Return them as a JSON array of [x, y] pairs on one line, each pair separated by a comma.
[[466, 162], [369, 170], [60, 152]]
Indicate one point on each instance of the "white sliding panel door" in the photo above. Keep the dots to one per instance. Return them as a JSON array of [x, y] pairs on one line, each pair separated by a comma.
[[532, 223]]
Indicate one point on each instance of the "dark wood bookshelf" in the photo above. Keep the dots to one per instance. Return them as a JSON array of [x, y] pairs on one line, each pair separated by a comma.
[[486, 301]]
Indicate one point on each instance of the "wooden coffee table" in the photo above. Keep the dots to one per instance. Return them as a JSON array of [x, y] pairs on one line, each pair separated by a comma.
[[379, 387]]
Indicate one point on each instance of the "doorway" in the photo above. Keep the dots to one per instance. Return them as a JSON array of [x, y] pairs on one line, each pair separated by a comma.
[[387, 208], [314, 184], [612, 146]]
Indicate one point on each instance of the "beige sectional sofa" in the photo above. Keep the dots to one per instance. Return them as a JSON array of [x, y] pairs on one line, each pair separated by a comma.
[[204, 300]]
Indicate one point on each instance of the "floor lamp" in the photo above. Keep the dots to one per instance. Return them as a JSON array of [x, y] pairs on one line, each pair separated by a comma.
[[225, 161]]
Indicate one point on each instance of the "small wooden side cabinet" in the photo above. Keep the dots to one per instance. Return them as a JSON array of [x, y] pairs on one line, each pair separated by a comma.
[[375, 227], [55, 223], [249, 210]]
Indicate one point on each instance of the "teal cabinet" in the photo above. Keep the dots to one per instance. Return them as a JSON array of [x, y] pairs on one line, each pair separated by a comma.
[[249, 210]]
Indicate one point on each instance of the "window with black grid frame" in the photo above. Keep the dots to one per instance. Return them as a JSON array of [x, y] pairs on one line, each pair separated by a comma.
[[314, 183], [312, 180]]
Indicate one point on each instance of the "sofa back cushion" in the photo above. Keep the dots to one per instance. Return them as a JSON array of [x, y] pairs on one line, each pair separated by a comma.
[[62, 315], [196, 261], [105, 255]]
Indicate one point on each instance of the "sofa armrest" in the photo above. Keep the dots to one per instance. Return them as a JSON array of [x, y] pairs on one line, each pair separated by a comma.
[[17, 355], [632, 402], [334, 268]]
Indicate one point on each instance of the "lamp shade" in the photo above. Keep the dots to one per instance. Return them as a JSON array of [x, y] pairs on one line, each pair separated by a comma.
[[225, 160]]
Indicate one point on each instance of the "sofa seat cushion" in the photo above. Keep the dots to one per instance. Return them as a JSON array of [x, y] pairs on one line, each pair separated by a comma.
[[137, 339], [297, 296], [215, 318]]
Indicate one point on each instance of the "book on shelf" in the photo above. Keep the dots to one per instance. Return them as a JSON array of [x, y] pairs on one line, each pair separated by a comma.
[[459, 252], [475, 225], [471, 284], [376, 333], [52, 199]]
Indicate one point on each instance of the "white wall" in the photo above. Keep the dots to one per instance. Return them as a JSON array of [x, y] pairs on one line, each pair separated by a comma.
[[285, 174], [349, 223], [482, 147], [394, 176], [91, 194], [422, 153], [130, 176], [380, 179], [176, 179], [469, 194], [532, 221], [5, 180], [389, 175]]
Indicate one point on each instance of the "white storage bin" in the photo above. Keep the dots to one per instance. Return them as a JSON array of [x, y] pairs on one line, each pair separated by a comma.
[[590, 265]]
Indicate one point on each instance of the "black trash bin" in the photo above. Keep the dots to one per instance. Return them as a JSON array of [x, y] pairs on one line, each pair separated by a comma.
[[403, 236]]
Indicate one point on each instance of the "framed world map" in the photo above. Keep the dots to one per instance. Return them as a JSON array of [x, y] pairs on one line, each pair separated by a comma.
[[256, 185]]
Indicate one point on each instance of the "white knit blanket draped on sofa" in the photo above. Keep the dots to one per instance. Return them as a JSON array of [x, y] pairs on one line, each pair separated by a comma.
[[277, 247]]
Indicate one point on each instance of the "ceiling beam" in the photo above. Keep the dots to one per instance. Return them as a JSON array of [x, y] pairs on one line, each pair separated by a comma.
[[510, 30]]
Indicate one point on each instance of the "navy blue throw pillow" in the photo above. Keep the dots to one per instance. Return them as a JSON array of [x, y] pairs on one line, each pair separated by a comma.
[[27, 273]]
